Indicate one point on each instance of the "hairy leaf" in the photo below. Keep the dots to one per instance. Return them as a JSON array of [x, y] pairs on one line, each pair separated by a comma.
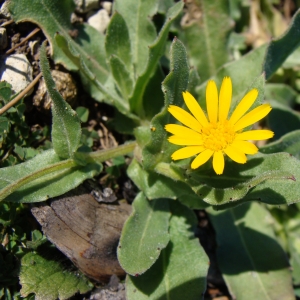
[[144, 234], [66, 129], [159, 149], [249, 255], [155, 52], [48, 279], [282, 47], [206, 26], [180, 272]]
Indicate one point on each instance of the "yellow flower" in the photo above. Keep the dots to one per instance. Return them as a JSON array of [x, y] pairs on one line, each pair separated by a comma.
[[217, 134]]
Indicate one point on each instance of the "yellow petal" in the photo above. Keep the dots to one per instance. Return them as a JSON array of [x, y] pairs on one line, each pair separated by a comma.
[[187, 152], [253, 116], [225, 98], [235, 154], [243, 106], [185, 141], [245, 147], [182, 131], [255, 135], [212, 101], [218, 162], [202, 158], [184, 117], [195, 108]]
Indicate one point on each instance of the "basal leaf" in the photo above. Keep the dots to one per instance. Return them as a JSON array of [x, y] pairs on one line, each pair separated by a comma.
[[156, 186], [252, 262], [121, 76], [42, 177], [155, 52], [117, 41], [108, 90], [282, 47], [282, 119], [52, 16], [241, 71], [289, 143], [48, 279], [66, 129], [175, 83], [144, 234], [206, 26], [271, 179], [142, 33], [180, 271], [281, 92]]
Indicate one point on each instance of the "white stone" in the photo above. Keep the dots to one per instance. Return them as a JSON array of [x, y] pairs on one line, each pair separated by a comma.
[[107, 6], [99, 20], [4, 10], [84, 6], [17, 71]]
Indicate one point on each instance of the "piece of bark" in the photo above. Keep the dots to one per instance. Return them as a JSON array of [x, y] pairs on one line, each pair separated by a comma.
[[86, 231]]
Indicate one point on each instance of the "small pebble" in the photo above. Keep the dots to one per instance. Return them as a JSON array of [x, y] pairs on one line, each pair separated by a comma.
[[3, 38], [99, 20], [17, 71]]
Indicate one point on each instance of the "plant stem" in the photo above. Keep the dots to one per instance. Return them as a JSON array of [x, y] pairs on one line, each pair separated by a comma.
[[103, 155]]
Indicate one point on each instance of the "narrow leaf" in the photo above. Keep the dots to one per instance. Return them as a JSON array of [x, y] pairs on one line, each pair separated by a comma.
[[282, 47], [117, 41], [249, 255], [144, 235], [66, 130], [159, 149], [154, 54], [121, 76], [180, 272], [142, 32]]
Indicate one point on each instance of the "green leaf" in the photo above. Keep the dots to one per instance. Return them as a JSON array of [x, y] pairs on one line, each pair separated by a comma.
[[144, 234], [241, 71], [121, 76], [282, 47], [282, 119], [52, 16], [252, 262], [66, 130], [108, 90], [159, 149], [5, 91], [142, 32], [206, 26], [271, 178], [155, 52], [289, 143], [83, 113], [117, 41], [156, 186], [43, 177], [180, 272], [281, 92], [48, 279]]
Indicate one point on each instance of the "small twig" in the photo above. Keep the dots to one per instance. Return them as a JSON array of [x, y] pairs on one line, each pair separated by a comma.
[[32, 33], [21, 95], [7, 23]]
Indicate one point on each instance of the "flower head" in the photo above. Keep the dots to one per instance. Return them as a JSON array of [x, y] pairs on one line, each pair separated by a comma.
[[217, 133]]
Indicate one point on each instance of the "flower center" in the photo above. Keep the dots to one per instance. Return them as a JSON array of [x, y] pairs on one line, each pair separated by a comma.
[[217, 136]]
